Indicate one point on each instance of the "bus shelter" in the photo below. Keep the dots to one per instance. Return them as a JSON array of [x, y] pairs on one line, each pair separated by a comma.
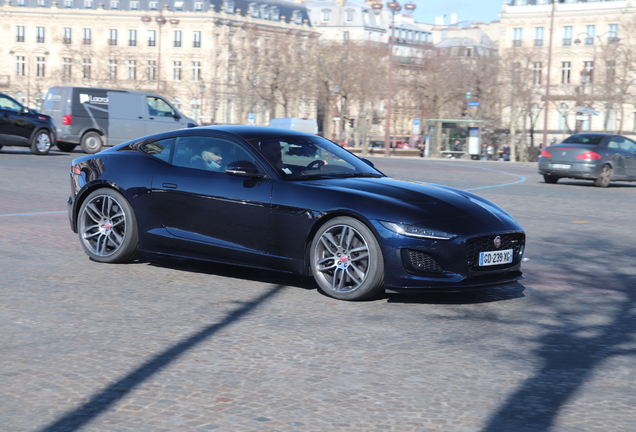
[[453, 138]]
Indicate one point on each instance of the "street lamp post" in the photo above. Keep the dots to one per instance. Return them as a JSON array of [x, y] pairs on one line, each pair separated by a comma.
[[547, 78], [201, 98], [394, 7]]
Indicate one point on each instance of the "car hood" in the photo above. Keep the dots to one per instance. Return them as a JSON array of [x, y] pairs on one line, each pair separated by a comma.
[[424, 204]]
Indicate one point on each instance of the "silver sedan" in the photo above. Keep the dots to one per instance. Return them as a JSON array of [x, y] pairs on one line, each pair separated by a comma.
[[600, 157]]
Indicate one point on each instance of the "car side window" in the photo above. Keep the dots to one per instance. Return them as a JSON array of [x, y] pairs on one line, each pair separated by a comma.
[[159, 149], [630, 145], [8, 104], [208, 153], [159, 107]]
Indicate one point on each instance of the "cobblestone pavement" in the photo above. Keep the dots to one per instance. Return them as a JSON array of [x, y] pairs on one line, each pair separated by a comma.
[[178, 345]]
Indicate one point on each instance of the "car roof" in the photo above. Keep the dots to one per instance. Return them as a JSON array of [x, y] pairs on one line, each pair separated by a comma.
[[249, 132]]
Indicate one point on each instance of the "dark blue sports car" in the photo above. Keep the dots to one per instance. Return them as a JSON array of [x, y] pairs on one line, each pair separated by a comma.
[[289, 201]]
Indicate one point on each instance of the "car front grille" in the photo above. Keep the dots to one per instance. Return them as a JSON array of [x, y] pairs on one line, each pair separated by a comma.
[[424, 262], [514, 241]]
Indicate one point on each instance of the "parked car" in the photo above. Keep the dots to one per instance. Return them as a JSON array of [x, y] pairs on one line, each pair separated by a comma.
[[96, 117], [22, 126], [600, 157], [291, 201]]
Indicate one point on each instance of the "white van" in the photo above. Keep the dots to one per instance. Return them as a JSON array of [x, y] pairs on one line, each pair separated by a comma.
[[295, 123], [93, 117]]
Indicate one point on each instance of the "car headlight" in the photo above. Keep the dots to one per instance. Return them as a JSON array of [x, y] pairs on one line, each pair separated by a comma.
[[415, 231]]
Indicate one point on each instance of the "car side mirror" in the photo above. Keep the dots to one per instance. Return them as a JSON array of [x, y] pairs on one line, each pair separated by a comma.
[[368, 162], [25, 110], [243, 168]]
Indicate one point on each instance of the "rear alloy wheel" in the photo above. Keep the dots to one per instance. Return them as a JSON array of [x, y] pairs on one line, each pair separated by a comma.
[[91, 142], [346, 260], [66, 147], [552, 179], [107, 227], [41, 142], [604, 177]]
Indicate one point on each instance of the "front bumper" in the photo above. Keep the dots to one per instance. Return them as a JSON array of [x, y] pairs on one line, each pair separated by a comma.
[[413, 264]]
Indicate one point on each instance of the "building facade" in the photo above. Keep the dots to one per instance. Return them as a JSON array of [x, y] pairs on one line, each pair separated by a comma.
[[578, 56], [211, 59]]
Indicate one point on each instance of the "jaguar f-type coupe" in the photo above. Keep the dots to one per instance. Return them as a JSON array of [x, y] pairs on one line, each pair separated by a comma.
[[289, 201]]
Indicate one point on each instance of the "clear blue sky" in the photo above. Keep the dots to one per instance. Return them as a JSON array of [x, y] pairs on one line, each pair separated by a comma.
[[466, 10]]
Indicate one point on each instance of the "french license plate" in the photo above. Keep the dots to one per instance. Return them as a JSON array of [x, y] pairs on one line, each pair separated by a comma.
[[561, 166], [495, 257]]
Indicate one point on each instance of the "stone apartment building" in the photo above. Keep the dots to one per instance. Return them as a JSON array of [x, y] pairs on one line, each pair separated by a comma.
[[193, 52]]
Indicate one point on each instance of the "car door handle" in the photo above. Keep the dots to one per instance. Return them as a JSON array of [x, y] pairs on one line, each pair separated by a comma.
[[170, 185]]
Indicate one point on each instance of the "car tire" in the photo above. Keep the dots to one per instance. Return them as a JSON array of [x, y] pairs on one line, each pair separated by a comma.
[[552, 179], [107, 227], [41, 142], [91, 142], [65, 147], [604, 176], [346, 260]]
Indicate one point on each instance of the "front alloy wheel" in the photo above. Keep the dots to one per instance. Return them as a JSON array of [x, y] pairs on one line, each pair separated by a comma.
[[107, 227], [346, 260]]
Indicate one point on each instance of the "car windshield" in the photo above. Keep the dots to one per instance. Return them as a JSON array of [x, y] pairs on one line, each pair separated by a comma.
[[584, 139], [311, 157]]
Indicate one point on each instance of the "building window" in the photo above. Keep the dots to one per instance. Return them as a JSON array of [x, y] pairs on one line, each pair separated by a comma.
[[537, 71], [40, 35], [41, 3], [230, 74], [590, 33], [134, 5], [196, 71], [228, 5], [346, 36], [587, 74], [565, 72], [152, 5], [297, 17], [178, 6], [86, 68], [20, 65], [517, 36], [114, 5], [326, 14], [152, 38], [68, 4], [349, 16], [132, 37], [176, 71], [87, 36], [19, 35], [151, 70], [21, 2], [612, 33], [198, 7], [196, 39], [112, 69], [67, 38], [132, 70], [567, 36], [112, 37], [88, 4], [177, 38], [538, 36], [66, 67]]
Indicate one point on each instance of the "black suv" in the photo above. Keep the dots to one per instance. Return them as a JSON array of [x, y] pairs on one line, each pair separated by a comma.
[[22, 126]]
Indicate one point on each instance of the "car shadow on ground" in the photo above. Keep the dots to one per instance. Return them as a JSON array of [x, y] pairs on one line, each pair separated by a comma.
[[583, 183], [485, 295]]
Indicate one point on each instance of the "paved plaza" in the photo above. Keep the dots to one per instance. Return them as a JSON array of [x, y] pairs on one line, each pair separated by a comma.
[[172, 345]]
